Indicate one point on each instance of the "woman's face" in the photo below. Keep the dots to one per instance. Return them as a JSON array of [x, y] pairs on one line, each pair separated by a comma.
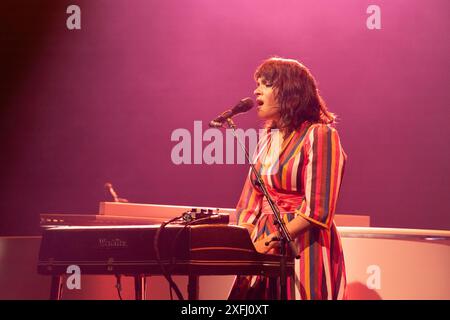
[[267, 106]]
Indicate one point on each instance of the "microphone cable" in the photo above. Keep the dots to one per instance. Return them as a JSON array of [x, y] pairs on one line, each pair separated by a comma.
[[166, 274], [119, 286]]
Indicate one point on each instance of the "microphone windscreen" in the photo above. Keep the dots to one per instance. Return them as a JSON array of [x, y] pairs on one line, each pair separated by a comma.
[[244, 105]]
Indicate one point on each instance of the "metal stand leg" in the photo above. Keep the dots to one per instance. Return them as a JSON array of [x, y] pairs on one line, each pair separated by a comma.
[[283, 273], [55, 288], [193, 288], [273, 288], [292, 287], [140, 287]]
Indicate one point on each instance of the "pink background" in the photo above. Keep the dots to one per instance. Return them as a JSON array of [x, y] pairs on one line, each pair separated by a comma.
[[80, 108]]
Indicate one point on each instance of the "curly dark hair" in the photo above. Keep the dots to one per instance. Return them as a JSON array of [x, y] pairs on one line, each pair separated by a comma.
[[296, 92]]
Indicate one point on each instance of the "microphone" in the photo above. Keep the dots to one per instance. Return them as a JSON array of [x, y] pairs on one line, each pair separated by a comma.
[[110, 189], [243, 106]]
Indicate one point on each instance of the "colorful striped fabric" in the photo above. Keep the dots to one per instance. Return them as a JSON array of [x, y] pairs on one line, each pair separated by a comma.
[[303, 175]]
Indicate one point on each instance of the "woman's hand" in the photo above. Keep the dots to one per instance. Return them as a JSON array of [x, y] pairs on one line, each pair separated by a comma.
[[261, 247]]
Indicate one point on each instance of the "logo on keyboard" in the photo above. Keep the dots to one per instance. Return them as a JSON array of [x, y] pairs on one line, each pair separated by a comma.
[[112, 243]]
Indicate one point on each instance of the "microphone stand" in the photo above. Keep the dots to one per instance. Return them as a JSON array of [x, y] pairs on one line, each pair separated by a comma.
[[284, 236]]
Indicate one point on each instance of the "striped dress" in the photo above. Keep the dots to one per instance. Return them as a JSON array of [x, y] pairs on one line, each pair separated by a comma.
[[303, 175]]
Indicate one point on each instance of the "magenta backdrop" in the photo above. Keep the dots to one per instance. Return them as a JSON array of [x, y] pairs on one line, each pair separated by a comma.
[[82, 107]]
